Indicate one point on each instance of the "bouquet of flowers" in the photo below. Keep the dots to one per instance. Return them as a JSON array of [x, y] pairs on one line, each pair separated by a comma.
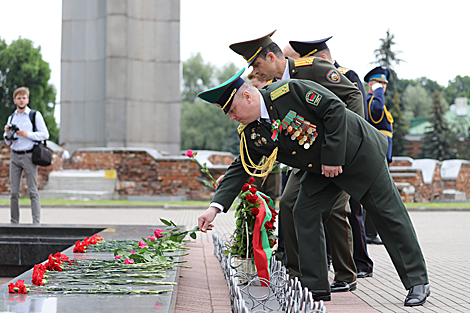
[[254, 233]]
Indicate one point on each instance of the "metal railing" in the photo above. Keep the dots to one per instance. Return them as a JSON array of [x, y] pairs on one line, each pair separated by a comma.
[[250, 293]]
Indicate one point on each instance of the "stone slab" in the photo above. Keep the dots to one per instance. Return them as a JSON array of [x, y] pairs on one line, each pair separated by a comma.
[[39, 302]]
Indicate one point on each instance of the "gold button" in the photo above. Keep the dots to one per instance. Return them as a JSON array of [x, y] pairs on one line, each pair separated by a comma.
[[310, 165], [271, 107], [294, 152]]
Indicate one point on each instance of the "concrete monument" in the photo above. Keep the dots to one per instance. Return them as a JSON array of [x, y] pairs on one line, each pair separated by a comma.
[[120, 80]]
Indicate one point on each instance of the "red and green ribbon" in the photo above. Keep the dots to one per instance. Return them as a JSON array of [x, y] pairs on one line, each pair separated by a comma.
[[261, 248]]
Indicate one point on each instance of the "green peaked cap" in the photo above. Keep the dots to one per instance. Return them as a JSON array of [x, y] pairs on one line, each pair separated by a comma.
[[222, 95], [249, 50]]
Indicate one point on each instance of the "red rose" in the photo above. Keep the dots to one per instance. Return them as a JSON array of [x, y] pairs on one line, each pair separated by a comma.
[[254, 211], [268, 225], [253, 190], [252, 198], [252, 180], [245, 187]]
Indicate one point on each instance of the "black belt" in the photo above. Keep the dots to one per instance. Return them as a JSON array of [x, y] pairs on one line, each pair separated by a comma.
[[22, 152]]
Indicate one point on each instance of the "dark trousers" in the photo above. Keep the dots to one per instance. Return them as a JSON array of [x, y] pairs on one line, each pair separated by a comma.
[[383, 202], [361, 256]]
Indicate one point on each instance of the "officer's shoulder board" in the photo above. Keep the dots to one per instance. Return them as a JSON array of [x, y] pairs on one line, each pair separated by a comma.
[[343, 70], [241, 127], [276, 93], [304, 61]]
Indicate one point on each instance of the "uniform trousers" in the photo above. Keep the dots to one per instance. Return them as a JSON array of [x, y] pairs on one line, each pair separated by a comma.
[[337, 225], [361, 256], [20, 163], [383, 202]]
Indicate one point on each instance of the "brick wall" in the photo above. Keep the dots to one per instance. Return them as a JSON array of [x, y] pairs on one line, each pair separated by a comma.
[[462, 183], [138, 173], [43, 172]]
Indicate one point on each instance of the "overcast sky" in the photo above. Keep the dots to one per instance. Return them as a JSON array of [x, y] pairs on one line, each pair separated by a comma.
[[433, 36]]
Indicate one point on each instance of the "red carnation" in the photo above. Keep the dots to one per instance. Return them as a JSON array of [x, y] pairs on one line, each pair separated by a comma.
[[38, 273], [268, 225], [252, 180], [252, 198], [253, 190], [254, 211], [18, 287], [245, 187]]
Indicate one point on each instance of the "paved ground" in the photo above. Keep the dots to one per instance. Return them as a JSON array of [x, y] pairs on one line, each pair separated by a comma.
[[442, 235]]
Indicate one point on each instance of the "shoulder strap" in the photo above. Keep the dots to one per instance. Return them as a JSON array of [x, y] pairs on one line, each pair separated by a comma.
[[32, 117]]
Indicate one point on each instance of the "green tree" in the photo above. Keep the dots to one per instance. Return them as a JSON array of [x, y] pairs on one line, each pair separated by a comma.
[[417, 102], [197, 76], [437, 143], [384, 55], [400, 127], [203, 125], [458, 87], [21, 64]]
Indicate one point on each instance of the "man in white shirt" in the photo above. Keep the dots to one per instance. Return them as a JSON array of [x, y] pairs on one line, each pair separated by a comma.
[[22, 143]]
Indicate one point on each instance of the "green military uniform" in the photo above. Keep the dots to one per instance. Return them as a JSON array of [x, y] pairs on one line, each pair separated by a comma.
[[342, 138], [323, 72]]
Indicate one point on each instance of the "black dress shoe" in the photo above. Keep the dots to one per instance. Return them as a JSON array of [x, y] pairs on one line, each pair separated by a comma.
[[364, 274], [417, 295], [341, 286], [374, 240], [321, 295]]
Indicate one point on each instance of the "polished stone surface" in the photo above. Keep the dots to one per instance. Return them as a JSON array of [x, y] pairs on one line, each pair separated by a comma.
[[40, 302]]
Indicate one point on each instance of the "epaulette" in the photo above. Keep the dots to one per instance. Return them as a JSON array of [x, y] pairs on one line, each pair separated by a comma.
[[241, 127], [279, 91], [304, 61], [343, 70]]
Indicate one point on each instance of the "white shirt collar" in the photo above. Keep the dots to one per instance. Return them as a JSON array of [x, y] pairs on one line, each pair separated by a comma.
[[26, 110], [286, 74], [263, 109]]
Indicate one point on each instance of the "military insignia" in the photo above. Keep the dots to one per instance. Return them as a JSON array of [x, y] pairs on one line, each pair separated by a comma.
[[343, 70], [240, 128], [279, 91], [333, 76], [304, 61], [313, 97]]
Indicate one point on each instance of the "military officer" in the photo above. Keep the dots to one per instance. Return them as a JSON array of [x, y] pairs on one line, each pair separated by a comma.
[[378, 115], [319, 48], [268, 62], [311, 130]]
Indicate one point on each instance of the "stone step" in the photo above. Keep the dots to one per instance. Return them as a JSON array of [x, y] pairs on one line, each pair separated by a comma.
[[83, 180], [77, 195], [79, 184]]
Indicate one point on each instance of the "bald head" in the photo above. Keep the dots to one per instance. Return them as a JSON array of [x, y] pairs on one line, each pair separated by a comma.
[[290, 52]]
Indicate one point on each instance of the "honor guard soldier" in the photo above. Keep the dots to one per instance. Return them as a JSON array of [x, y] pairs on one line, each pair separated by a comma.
[[269, 62], [307, 127], [319, 48], [378, 115]]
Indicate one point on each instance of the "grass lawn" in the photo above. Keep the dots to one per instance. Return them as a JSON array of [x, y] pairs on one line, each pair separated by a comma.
[[106, 202], [202, 203]]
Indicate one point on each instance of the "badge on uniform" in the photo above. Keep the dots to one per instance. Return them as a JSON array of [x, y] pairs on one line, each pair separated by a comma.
[[313, 97], [257, 139], [333, 76], [299, 129]]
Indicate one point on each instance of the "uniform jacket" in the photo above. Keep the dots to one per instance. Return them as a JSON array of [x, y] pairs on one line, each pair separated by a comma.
[[344, 138], [379, 117], [324, 73], [354, 78]]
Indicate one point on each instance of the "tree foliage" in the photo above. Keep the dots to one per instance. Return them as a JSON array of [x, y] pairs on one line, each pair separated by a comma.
[[204, 126], [417, 102], [384, 55], [400, 127], [437, 143], [458, 87], [21, 64]]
